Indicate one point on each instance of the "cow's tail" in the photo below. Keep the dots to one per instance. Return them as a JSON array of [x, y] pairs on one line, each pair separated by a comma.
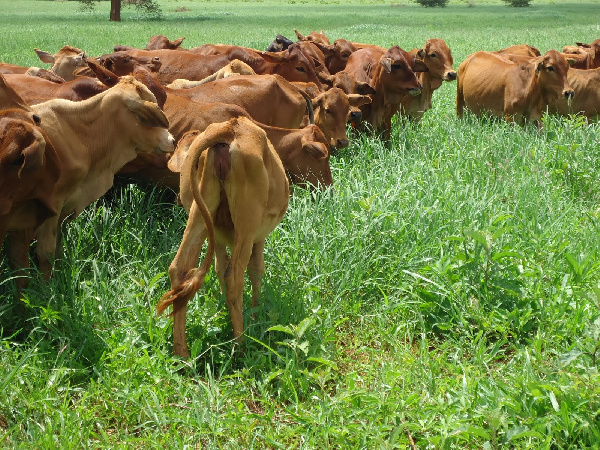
[[194, 279], [309, 107]]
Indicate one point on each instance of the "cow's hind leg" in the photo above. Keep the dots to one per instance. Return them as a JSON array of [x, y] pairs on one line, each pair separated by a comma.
[[185, 260], [256, 270], [234, 283]]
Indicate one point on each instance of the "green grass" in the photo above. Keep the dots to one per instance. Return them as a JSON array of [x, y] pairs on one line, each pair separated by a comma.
[[445, 293]]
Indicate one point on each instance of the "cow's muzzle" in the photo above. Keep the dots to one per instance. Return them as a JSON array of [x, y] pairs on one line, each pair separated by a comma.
[[450, 76], [415, 91]]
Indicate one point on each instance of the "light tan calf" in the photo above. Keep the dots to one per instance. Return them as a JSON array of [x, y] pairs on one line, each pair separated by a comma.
[[93, 139], [235, 190]]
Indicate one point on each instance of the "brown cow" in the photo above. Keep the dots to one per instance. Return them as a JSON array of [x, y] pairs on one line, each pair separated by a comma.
[[518, 52], [232, 173], [36, 90], [585, 83], [9, 99], [291, 64], [93, 139], [337, 54], [304, 152], [65, 62], [391, 73], [160, 41], [437, 57], [586, 56], [313, 36], [28, 172], [516, 91], [269, 99]]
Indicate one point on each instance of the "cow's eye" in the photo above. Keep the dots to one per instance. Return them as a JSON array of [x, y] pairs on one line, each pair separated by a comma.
[[345, 55], [327, 111], [550, 69], [300, 69], [396, 66], [433, 55], [127, 59]]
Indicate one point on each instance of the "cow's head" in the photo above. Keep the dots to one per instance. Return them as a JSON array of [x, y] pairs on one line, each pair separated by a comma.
[[140, 115], [308, 165], [313, 36], [161, 42], [398, 75], [65, 62], [9, 99], [292, 64], [28, 165], [279, 44], [437, 57], [123, 63], [551, 71], [331, 109]]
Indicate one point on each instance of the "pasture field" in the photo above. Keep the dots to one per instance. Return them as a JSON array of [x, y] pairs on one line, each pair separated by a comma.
[[445, 294]]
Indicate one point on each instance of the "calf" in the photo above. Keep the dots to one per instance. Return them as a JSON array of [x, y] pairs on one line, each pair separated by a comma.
[[517, 91], [437, 57], [231, 173], [585, 83], [28, 173], [93, 139], [390, 73], [65, 62]]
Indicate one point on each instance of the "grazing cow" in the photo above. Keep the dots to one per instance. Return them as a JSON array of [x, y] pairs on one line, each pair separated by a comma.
[[304, 152], [313, 36], [235, 67], [585, 83], [390, 73], [586, 56], [516, 91], [231, 173], [437, 57], [122, 63], [65, 62], [291, 64], [28, 172], [93, 139], [36, 90], [269, 99], [279, 44]]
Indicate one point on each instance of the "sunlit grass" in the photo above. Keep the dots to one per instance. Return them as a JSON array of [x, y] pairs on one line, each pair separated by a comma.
[[445, 292]]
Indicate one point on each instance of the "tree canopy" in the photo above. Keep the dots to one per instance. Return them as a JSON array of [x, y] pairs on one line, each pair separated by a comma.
[[150, 7]]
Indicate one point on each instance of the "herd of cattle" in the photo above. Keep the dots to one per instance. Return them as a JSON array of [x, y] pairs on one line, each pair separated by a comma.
[[229, 128]]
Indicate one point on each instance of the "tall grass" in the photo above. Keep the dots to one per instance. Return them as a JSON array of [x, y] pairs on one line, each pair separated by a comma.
[[444, 294]]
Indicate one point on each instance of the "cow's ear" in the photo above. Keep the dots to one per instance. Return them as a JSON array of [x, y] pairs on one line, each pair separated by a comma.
[[365, 88], [326, 49], [299, 35], [317, 150], [421, 54], [104, 75], [46, 57], [32, 157], [581, 44], [177, 159], [386, 63], [148, 113], [357, 100], [177, 42], [419, 66]]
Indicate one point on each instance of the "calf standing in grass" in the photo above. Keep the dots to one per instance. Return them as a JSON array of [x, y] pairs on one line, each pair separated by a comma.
[[235, 190]]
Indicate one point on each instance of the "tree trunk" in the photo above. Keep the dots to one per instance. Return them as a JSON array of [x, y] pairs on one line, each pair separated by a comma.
[[115, 10]]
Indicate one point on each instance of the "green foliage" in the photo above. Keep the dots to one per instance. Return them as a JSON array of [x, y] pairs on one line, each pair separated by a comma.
[[518, 3], [150, 8], [433, 3], [445, 294]]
